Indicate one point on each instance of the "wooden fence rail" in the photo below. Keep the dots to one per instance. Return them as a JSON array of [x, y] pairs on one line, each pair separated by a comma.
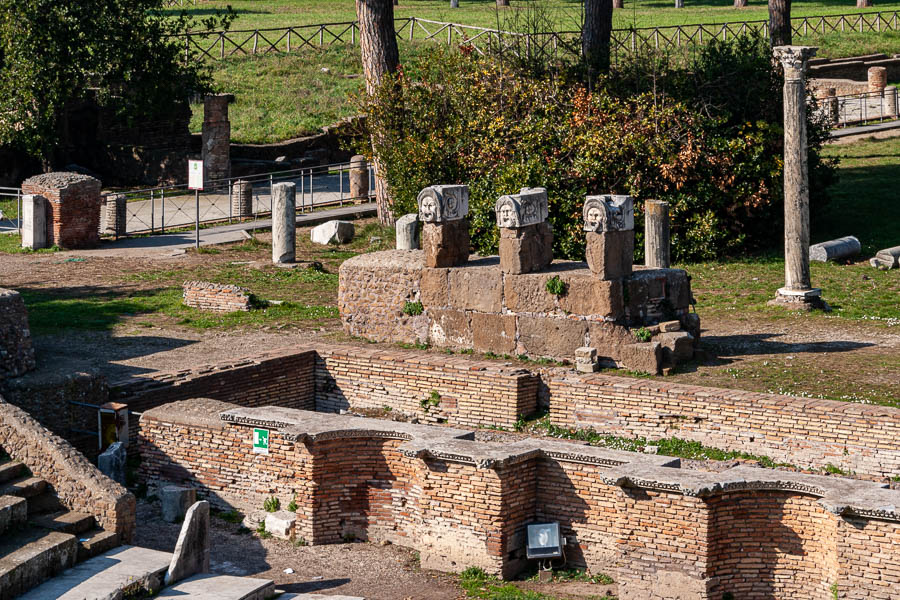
[[219, 45]]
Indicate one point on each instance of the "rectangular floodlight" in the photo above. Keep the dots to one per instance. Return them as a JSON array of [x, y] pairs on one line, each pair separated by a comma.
[[543, 541]]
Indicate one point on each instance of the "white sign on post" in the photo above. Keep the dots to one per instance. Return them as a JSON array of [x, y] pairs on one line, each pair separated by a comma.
[[195, 174]]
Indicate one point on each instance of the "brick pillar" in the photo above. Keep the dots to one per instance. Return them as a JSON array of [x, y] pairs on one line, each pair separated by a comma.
[[609, 223], [115, 215], [73, 219], [877, 77], [216, 137], [526, 238]]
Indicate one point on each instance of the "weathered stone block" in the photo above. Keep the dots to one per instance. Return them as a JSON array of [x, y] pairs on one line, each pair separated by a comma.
[[443, 203], [527, 293], [646, 357], [678, 346], [332, 232], [450, 328], [691, 323], [608, 212], [34, 222], [112, 462], [670, 326], [589, 296], [526, 249], [446, 244], [586, 359], [191, 554], [494, 333], [528, 207], [547, 336], [281, 524], [476, 288], [889, 258], [610, 254], [608, 338], [433, 288], [175, 501], [407, 232]]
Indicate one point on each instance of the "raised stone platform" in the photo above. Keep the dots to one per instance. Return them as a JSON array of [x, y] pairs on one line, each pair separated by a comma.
[[478, 306], [462, 502]]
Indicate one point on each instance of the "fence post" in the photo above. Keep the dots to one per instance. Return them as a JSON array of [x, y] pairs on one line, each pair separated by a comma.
[[19, 210], [152, 212], [162, 221]]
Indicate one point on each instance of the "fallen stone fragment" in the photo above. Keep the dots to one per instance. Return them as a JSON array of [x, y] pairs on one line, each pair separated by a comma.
[[839, 249], [332, 232]]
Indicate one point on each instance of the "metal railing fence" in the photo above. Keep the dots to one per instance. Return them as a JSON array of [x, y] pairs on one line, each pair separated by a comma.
[[861, 108], [219, 45]]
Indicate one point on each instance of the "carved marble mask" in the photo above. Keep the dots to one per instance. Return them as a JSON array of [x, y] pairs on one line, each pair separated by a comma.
[[428, 210]]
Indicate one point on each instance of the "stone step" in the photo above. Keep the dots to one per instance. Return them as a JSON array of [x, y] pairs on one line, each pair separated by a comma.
[[11, 470], [13, 513], [65, 521], [316, 597], [96, 541], [23, 487], [220, 587], [113, 574], [44, 503], [32, 556]]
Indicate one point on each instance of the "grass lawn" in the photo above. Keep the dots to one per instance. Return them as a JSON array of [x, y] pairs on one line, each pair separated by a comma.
[[563, 15]]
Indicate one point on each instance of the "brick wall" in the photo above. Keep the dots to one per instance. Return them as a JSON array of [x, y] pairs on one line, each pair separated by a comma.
[[477, 306], [78, 484], [74, 202], [16, 351], [854, 68], [472, 393], [216, 297], [801, 431], [662, 532]]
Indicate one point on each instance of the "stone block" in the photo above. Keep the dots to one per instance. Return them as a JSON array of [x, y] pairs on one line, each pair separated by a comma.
[[34, 222], [493, 333], [589, 296], [433, 290], [449, 328], [446, 244], [528, 207], [112, 462], [115, 215], [645, 357], [443, 203], [605, 213], [332, 232], [610, 254], [678, 346], [670, 326], [175, 501], [191, 554], [586, 360], [359, 178], [608, 338], [407, 236], [476, 288], [552, 337], [691, 323], [281, 524], [242, 199], [526, 249], [527, 293]]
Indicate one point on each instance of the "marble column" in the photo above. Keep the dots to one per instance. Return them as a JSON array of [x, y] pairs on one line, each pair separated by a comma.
[[284, 222]]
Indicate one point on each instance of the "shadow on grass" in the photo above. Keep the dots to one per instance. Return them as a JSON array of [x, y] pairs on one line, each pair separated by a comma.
[[761, 343]]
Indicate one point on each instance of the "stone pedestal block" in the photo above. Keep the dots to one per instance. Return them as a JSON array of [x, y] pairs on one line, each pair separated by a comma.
[[610, 254], [191, 554], [407, 228], [446, 244], [645, 357], [112, 462], [281, 524], [526, 249], [586, 360], [678, 346], [73, 201], [241, 199], [115, 215], [175, 501], [359, 179], [284, 222], [34, 222]]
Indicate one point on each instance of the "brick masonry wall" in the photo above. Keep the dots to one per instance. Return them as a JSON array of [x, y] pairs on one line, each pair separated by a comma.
[[16, 351], [477, 306], [801, 431], [854, 69], [660, 531], [216, 297], [78, 484], [472, 393], [74, 200]]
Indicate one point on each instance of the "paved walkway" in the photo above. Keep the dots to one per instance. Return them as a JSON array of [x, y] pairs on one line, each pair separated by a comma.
[[173, 244]]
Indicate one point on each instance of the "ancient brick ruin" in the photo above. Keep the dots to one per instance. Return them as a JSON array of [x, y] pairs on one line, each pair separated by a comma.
[[73, 206], [216, 297], [661, 531], [16, 351], [504, 305]]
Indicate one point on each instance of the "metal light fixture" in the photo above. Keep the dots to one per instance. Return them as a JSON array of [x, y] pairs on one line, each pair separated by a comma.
[[543, 541]]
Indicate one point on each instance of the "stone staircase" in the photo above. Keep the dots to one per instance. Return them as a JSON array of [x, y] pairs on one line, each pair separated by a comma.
[[39, 538]]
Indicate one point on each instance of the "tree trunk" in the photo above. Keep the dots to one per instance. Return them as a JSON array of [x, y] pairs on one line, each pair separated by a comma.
[[740, 3], [502, 2], [863, 3], [618, 3], [780, 22], [380, 57], [596, 33], [679, 3]]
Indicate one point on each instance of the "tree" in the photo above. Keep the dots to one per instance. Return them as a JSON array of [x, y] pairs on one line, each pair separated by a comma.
[[380, 57], [863, 3], [780, 23], [119, 53], [595, 34]]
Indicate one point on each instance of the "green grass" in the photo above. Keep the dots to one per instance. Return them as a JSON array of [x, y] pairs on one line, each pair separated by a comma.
[[11, 243], [563, 14]]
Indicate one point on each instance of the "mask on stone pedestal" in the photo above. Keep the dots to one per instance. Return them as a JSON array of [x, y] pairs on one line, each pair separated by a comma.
[[528, 207], [442, 203], [608, 213]]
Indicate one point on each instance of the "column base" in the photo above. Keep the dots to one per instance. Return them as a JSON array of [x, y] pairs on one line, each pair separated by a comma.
[[810, 299]]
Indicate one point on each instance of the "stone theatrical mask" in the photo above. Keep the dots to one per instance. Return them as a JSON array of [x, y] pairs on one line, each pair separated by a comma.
[[442, 203], [608, 213], [528, 207]]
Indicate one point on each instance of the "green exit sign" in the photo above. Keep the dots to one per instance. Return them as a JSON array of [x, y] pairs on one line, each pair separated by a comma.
[[260, 441]]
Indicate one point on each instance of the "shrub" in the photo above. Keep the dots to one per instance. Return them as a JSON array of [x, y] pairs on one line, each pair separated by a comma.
[[271, 504], [413, 308], [556, 286], [643, 334], [706, 137]]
